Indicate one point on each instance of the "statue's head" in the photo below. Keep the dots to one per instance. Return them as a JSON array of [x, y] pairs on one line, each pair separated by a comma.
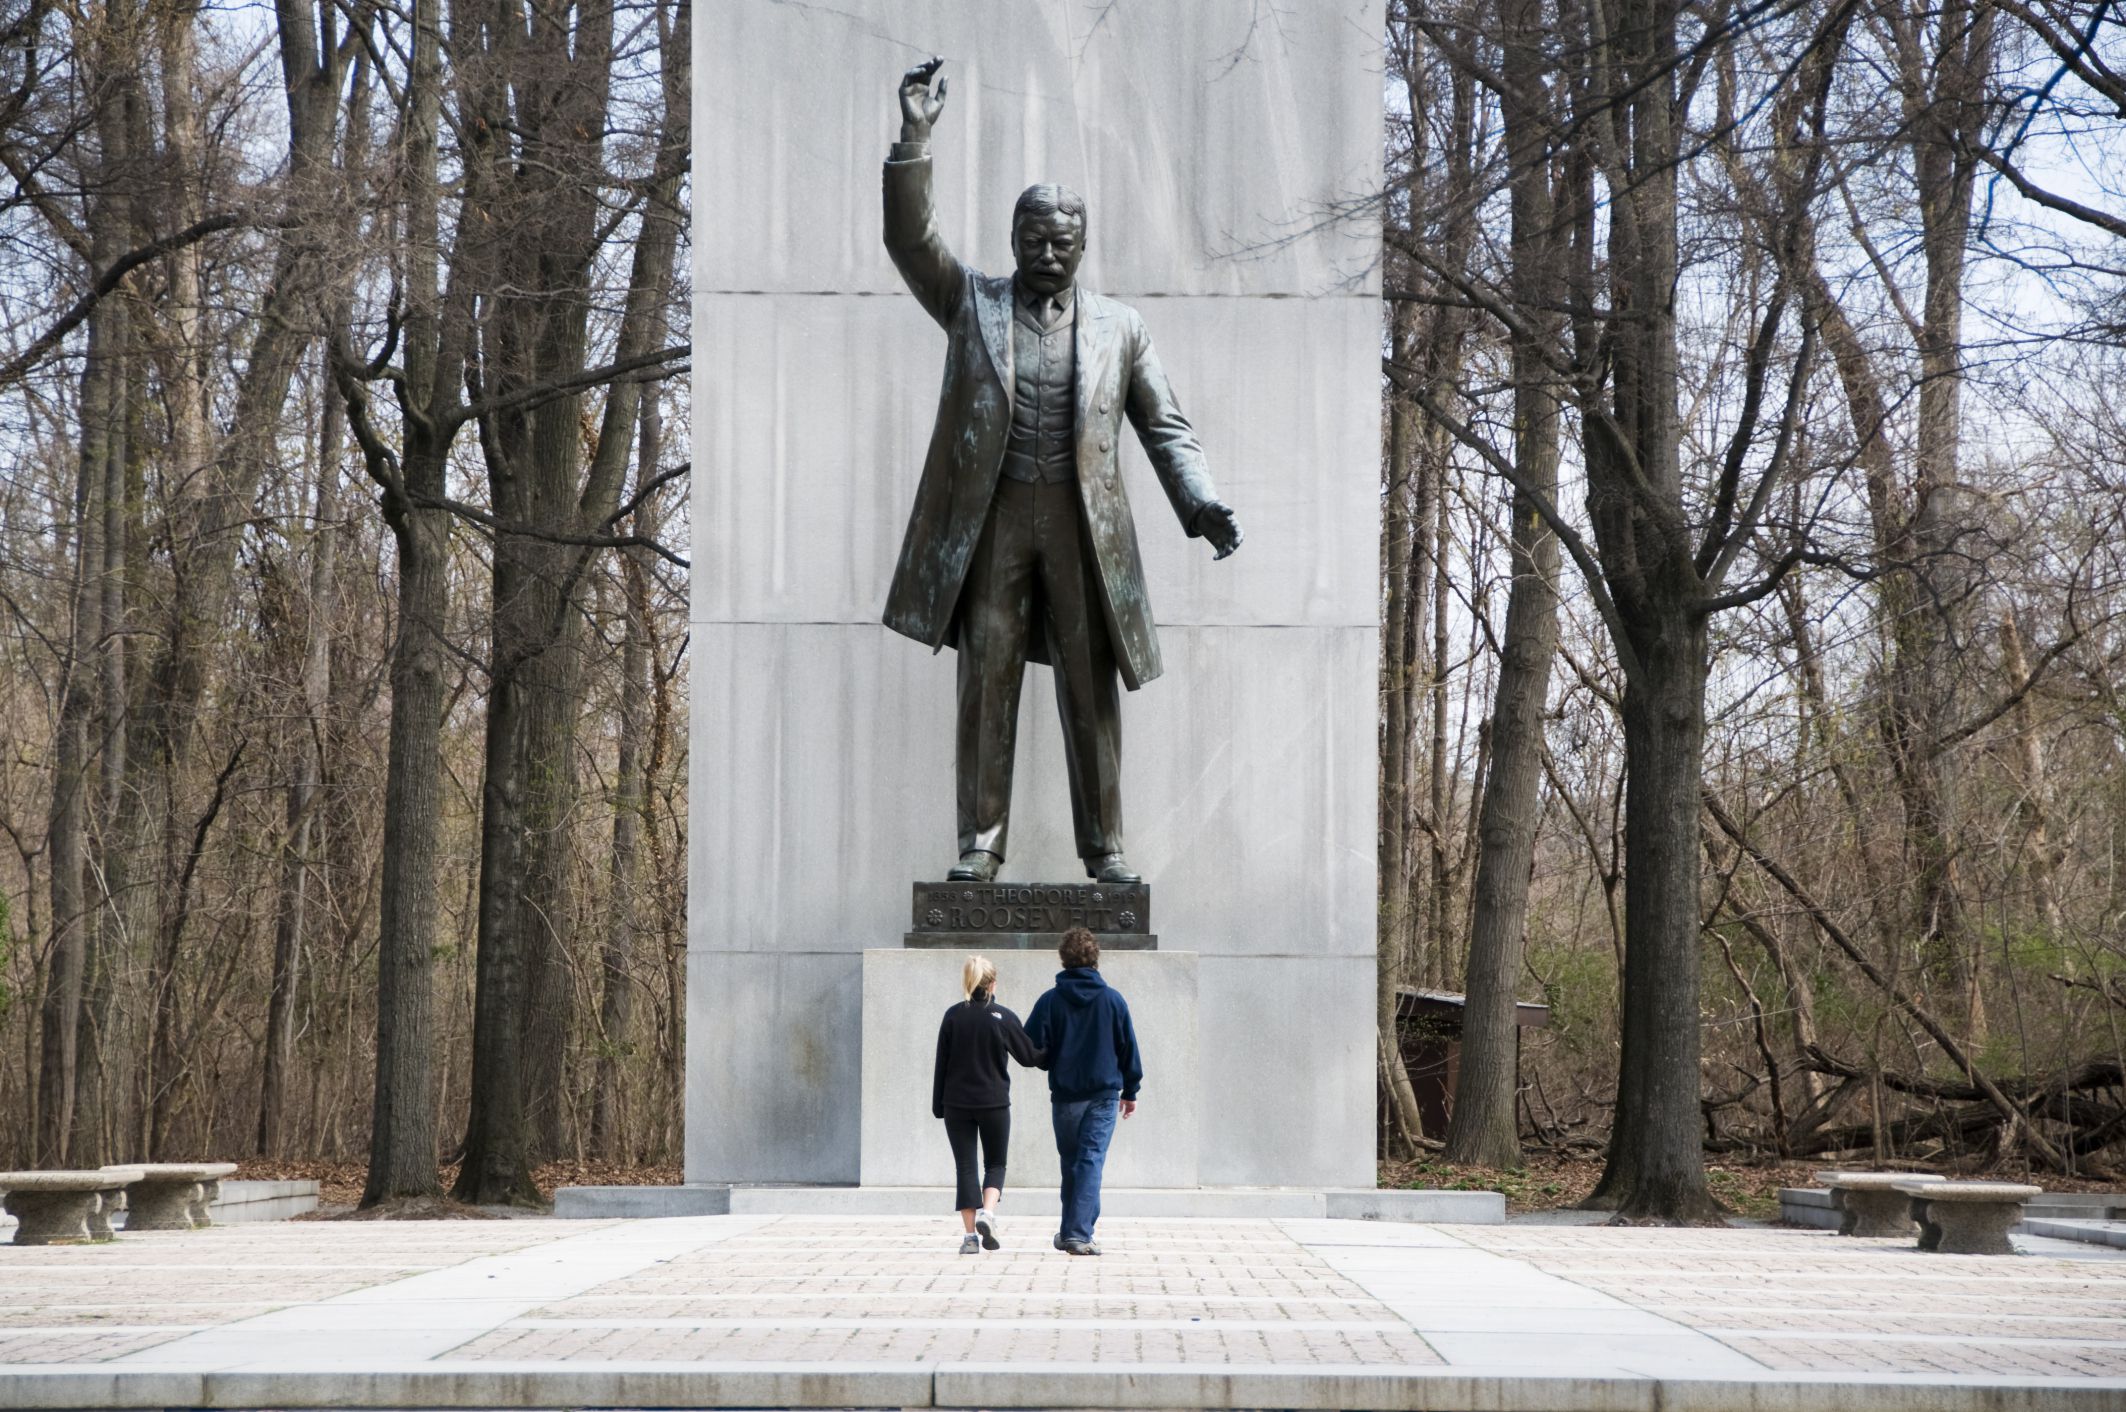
[[1048, 237]]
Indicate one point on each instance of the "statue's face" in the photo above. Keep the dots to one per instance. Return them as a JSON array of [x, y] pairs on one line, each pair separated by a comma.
[[1048, 249]]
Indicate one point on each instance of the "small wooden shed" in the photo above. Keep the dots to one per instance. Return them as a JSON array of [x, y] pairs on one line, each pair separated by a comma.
[[1428, 1024]]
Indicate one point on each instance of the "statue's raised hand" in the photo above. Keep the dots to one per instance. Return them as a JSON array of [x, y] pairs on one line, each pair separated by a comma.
[[919, 106]]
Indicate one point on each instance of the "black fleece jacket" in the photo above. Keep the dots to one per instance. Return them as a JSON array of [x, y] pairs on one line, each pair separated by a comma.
[[975, 1043]]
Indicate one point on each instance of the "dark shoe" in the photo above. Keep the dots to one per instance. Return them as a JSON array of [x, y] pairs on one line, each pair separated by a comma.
[[970, 1244], [1110, 868], [1059, 1241], [975, 865], [1081, 1247], [987, 1225]]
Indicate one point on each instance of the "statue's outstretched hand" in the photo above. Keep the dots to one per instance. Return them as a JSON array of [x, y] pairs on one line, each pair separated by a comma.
[[920, 107], [1215, 522]]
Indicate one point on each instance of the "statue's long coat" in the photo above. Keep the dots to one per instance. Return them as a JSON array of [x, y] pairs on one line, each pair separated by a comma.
[[1117, 375]]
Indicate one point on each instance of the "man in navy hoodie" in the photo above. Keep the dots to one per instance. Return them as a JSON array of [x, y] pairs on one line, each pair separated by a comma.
[[1093, 1073]]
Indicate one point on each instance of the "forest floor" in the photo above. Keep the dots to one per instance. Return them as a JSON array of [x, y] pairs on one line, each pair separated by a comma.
[[1548, 1182], [1545, 1181]]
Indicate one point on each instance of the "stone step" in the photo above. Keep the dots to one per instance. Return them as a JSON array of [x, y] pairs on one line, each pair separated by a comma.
[[1033, 1204], [2089, 1232], [982, 1385]]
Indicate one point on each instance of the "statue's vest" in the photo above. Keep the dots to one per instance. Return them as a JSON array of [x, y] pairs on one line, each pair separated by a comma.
[[1044, 378]]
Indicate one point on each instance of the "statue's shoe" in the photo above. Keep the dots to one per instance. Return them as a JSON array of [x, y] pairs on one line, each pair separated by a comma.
[[975, 865], [1110, 868]]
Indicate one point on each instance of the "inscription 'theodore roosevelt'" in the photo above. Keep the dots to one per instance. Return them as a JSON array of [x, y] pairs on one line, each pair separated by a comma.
[[1032, 907]]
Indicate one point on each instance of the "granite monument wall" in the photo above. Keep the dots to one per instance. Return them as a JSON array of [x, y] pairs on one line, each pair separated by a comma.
[[1225, 150]]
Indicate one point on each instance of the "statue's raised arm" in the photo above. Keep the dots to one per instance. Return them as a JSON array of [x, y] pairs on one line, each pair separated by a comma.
[[919, 106], [932, 272]]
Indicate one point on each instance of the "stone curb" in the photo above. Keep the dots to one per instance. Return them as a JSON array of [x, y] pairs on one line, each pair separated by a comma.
[[1004, 1385], [2111, 1233]]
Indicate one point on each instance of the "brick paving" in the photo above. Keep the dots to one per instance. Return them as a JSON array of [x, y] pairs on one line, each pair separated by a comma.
[[897, 1290], [78, 1345], [1202, 1292], [90, 1303], [1812, 1301]]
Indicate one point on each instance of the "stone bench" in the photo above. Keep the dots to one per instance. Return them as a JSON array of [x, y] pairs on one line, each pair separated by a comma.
[[61, 1208], [1872, 1203], [1968, 1218], [173, 1196]]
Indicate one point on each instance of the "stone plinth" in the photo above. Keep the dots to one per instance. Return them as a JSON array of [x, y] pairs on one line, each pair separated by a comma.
[[906, 994], [1207, 144]]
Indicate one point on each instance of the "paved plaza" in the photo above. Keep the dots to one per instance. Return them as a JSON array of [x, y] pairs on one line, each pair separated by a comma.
[[881, 1311]]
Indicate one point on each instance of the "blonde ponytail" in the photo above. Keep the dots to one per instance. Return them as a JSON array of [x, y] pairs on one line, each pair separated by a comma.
[[979, 973]]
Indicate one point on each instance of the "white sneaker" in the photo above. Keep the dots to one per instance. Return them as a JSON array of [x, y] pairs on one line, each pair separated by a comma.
[[985, 1221]]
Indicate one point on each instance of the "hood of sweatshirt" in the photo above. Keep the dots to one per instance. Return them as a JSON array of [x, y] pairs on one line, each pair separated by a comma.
[[1079, 986]]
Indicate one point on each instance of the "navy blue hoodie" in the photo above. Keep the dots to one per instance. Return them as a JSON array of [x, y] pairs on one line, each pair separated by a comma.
[[1092, 1047]]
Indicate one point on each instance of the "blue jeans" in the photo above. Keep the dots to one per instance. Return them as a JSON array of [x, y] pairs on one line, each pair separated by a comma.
[[1084, 1127]]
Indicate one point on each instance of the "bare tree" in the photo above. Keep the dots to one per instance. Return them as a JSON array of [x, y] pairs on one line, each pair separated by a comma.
[[1485, 1129], [554, 502], [429, 331]]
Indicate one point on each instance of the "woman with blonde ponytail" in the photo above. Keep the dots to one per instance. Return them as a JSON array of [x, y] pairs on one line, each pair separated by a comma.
[[971, 1091]]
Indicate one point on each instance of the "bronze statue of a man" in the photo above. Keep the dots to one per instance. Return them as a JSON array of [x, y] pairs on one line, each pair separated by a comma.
[[1021, 544]]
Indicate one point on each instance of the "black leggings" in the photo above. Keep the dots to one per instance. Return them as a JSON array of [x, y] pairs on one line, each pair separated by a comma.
[[961, 1127]]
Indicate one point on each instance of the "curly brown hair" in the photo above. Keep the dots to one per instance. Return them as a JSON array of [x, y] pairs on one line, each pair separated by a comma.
[[1080, 948]]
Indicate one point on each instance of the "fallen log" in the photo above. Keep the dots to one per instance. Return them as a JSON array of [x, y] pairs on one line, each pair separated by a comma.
[[2095, 1073], [1975, 1123], [2006, 1106]]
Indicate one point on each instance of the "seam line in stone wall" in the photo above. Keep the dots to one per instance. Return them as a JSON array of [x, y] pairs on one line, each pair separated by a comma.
[[1163, 951], [1125, 294], [875, 623]]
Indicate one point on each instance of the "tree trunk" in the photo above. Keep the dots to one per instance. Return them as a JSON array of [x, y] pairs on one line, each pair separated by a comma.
[[67, 830], [161, 743], [402, 1143], [402, 1137], [497, 1164], [549, 919], [292, 907], [1406, 595], [123, 824], [1436, 934], [630, 810], [538, 197], [616, 1003], [2033, 805], [1656, 1168], [1635, 500], [1484, 1130], [2115, 893], [547, 492], [1943, 96]]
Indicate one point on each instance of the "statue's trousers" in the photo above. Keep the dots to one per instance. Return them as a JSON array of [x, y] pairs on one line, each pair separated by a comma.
[[1035, 558]]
